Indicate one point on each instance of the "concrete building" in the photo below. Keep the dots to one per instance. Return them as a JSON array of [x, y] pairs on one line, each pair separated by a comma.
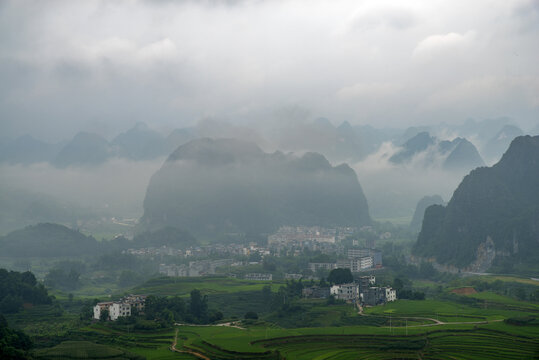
[[364, 263], [391, 294], [99, 307], [357, 253], [316, 292], [258, 277], [365, 282], [293, 276], [364, 252], [136, 301], [378, 295], [356, 264], [118, 309], [347, 292], [326, 266]]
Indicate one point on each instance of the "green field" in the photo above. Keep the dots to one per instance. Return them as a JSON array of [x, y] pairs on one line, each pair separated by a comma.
[[440, 342], [449, 327], [467, 332], [84, 350], [171, 286]]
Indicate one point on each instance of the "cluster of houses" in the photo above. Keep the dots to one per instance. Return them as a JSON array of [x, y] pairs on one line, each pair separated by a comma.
[[362, 292], [194, 268], [120, 308], [224, 250], [287, 235]]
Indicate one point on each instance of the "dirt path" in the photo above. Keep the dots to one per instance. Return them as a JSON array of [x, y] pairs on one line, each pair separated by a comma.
[[194, 353], [228, 324], [438, 322]]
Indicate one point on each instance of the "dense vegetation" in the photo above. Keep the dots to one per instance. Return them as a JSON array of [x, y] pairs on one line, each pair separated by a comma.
[[500, 203], [19, 288], [47, 240], [14, 344]]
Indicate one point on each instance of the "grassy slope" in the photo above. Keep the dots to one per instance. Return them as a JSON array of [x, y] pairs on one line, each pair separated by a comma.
[[170, 286]]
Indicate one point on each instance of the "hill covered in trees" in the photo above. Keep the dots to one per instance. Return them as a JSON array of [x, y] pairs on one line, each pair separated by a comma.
[[493, 213], [47, 240], [226, 185]]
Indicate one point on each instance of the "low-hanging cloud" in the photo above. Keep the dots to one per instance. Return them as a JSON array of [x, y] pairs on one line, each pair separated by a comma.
[[393, 190], [68, 65], [115, 188]]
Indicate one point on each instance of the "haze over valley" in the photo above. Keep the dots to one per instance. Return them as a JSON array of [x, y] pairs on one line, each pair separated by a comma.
[[273, 180]]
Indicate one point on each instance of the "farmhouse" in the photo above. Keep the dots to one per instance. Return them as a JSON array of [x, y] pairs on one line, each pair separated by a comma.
[[120, 308], [100, 307]]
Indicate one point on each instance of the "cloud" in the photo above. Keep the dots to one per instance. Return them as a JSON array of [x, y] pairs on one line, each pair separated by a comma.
[[394, 190], [66, 64], [119, 185], [368, 90], [371, 17], [435, 46], [496, 93]]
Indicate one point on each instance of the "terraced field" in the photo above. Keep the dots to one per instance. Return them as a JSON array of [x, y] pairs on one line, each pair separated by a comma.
[[84, 350], [449, 342]]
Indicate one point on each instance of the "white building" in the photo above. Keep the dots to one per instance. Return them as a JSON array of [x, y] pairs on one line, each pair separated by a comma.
[[258, 277], [391, 294], [365, 262], [346, 292], [119, 309], [326, 266], [99, 307]]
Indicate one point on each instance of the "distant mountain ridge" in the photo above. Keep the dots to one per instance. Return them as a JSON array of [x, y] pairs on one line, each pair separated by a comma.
[[228, 185], [493, 214], [458, 153]]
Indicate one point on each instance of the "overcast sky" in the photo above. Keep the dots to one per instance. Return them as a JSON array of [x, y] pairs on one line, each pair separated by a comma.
[[104, 65]]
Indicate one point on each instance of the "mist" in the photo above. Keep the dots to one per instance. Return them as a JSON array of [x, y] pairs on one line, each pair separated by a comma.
[[90, 67], [115, 188]]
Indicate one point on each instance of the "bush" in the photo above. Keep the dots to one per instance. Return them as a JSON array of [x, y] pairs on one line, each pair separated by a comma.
[[251, 315]]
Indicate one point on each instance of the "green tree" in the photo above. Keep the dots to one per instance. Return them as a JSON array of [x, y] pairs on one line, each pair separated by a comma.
[[340, 276], [251, 315], [104, 315], [198, 305], [11, 304]]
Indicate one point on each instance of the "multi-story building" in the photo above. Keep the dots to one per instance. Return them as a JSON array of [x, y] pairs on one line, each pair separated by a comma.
[[136, 301], [100, 307], [365, 282], [355, 264], [258, 277], [118, 309], [358, 253], [326, 266], [348, 292], [378, 295], [361, 253], [293, 276], [364, 263], [316, 292]]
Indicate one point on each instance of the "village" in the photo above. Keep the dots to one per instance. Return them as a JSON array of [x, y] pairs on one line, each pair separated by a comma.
[[288, 241]]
